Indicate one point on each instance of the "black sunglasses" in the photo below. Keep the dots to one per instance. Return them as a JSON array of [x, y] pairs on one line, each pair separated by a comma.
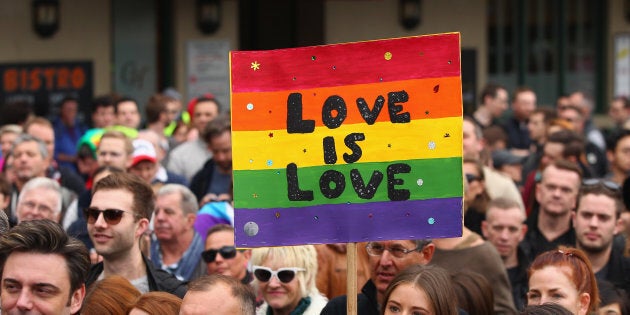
[[471, 178], [227, 252], [285, 275], [111, 216]]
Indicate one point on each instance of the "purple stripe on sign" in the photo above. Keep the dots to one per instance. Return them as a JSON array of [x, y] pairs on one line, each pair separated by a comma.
[[392, 220]]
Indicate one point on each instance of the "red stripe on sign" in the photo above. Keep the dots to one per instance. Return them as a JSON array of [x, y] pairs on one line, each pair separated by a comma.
[[387, 60]]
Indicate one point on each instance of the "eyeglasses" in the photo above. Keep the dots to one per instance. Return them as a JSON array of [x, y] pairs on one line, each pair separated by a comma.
[[471, 178], [598, 181], [210, 255], [285, 275], [376, 249], [111, 216]]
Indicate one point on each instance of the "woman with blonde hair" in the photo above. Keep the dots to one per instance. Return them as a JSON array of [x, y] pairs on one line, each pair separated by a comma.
[[286, 278]]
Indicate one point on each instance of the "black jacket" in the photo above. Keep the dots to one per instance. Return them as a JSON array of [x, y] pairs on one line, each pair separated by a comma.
[[366, 304], [519, 280], [617, 270], [159, 280], [201, 181]]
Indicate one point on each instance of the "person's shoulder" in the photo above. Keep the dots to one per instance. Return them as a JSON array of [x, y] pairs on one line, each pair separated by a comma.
[[180, 149], [169, 283], [174, 178], [335, 306]]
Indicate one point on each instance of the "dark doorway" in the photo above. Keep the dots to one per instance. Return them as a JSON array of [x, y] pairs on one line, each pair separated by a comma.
[[280, 24]]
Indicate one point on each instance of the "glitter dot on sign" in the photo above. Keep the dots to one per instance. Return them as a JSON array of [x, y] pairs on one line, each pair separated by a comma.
[[255, 65], [271, 135], [334, 67], [431, 221], [294, 78], [370, 215], [316, 217], [431, 145], [250, 106], [420, 182], [277, 215], [269, 162], [251, 161], [313, 57], [388, 56], [449, 62], [251, 228]]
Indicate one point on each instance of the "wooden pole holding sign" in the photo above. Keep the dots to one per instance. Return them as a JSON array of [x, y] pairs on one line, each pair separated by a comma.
[[351, 278]]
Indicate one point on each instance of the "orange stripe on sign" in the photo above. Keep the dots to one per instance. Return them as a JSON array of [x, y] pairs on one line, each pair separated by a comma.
[[427, 99]]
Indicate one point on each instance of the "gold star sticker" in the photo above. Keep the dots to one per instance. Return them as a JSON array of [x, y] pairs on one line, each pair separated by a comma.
[[255, 65]]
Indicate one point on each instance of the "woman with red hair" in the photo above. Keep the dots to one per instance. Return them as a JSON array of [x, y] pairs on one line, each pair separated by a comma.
[[563, 276]]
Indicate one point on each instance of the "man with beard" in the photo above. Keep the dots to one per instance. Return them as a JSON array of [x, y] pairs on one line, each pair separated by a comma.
[[214, 181], [117, 218], [557, 195], [597, 222], [177, 247]]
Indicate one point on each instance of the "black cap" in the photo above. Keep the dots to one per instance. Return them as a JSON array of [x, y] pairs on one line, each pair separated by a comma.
[[505, 157]]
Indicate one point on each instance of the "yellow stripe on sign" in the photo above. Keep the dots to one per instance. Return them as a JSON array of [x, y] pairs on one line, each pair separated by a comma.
[[419, 139]]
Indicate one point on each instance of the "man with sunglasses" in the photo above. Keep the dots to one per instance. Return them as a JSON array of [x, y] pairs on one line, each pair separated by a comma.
[[177, 247], [386, 260], [117, 218], [597, 222], [222, 257]]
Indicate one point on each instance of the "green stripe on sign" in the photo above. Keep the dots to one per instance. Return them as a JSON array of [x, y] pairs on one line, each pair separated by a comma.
[[427, 179]]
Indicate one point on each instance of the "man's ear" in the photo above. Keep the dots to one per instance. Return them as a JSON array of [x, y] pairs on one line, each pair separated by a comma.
[[523, 232], [76, 300], [190, 218], [143, 226], [427, 253], [619, 226], [484, 229], [247, 254]]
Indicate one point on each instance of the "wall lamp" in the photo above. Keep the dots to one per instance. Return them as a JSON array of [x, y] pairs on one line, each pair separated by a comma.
[[208, 15], [409, 13], [45, 17]]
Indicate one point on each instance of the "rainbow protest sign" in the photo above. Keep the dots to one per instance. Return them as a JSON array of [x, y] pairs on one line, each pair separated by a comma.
[[348, 143]]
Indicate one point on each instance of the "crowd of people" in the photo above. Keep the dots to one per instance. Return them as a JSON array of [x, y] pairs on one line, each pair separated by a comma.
[[116, 215]]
